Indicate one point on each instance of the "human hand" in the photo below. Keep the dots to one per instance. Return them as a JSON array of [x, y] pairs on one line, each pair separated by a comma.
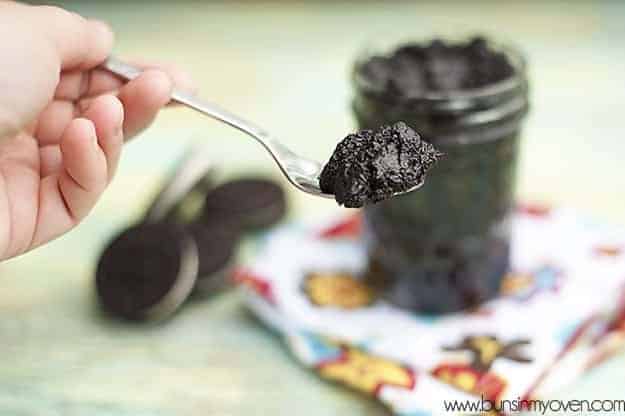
[[62, 120]]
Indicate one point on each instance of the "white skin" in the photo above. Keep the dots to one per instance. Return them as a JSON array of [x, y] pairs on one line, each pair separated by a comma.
[[62, 121]]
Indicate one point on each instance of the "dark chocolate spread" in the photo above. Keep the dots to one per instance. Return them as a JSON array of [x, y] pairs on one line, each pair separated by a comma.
[[373, 165], [415, 69]]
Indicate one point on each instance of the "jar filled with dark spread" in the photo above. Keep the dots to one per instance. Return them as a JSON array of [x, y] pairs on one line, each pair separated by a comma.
[[445, 247]]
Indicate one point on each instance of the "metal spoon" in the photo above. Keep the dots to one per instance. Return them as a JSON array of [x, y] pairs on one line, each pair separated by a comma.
[[303, 173]]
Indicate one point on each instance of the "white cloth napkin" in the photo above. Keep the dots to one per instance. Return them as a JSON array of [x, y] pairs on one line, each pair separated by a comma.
[[562, 311]]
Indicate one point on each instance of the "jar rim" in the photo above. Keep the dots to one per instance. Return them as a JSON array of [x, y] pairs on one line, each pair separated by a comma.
[[516, 80]]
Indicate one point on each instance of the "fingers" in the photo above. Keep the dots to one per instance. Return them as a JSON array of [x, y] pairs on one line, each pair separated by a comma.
[[182, 80], [67, 196], [137, 104], [78, 84], [85, 172], [78, 170], [53, 121], [142, 98], [50, 160], [73, 85], [54, 217], [107, 114], [80, 43]]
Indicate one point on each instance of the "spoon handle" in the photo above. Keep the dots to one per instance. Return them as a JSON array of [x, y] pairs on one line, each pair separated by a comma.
[[301, 172], [129, 72]]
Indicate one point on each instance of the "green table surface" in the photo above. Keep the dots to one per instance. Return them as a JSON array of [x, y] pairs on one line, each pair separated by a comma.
[[286, 65]]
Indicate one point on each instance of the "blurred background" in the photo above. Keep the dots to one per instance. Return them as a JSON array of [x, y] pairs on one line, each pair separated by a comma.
[[286, 65]]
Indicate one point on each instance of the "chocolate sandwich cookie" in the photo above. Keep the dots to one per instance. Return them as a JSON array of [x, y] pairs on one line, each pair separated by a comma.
[[217, 249], [250, 203], [147, 271]]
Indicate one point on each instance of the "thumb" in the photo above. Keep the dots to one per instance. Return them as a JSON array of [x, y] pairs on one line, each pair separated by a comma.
[[81, 43]]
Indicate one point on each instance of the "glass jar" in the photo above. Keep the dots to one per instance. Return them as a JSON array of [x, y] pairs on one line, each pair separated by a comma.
[[446, 246]]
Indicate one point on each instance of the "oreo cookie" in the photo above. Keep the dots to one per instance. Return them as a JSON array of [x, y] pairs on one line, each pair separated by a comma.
[[217, 250], [147, 272], [248, 203]]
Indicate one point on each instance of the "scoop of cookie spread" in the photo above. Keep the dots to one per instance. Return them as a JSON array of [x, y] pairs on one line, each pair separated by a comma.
[[373, 165]]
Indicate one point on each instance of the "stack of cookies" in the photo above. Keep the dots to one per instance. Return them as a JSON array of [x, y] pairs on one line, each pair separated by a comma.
[[149, 270]]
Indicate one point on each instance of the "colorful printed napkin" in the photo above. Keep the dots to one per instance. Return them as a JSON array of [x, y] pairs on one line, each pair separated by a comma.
[[561, 312]]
